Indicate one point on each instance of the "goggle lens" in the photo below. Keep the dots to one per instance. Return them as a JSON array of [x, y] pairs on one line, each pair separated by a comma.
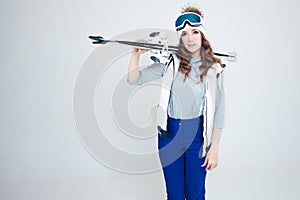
[[192, 18]]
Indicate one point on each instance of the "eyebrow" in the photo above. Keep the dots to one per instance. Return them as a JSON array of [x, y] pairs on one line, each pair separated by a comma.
[[192, 30]]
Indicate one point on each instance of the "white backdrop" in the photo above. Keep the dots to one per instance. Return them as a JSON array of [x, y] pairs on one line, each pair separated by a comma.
[[43, 47]]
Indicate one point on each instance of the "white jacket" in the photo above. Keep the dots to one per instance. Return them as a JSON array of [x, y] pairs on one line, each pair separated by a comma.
[[209, 102]]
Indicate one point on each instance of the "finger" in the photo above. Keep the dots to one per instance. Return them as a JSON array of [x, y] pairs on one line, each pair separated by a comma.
[[209, 166], [213, 165], [204, 162], [141, 51], [141, 40]]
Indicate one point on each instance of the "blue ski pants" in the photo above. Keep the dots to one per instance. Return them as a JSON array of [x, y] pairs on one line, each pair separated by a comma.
[[179, 156]]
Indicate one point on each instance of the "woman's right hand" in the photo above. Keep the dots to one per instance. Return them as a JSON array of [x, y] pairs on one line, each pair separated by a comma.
[[133, 71], [139, 51]]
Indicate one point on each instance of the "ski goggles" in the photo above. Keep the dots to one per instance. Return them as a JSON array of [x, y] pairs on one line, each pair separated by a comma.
[[191, 18]]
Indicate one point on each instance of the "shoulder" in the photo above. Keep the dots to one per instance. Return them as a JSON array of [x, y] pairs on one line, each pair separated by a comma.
[[215, 69]]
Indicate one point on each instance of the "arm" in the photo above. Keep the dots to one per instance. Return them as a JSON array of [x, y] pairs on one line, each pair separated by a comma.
[[150, 73], [133, 71], [219, 118], [211, 160]]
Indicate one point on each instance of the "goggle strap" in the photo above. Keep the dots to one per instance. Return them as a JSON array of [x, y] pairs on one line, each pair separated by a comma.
[[187, 22]]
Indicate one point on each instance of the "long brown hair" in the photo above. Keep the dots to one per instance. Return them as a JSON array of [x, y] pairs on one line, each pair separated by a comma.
[[206, 53]]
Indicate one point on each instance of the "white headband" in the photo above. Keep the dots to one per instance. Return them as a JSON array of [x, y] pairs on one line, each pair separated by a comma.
[[187, 26]]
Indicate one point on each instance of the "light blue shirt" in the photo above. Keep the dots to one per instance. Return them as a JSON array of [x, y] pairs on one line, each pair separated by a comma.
[[187, 97]]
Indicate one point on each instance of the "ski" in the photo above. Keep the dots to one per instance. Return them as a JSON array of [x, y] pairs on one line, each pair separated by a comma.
[[161, 45]]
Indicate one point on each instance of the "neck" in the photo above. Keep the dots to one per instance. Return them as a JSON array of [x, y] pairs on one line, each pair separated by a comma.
[[196, 54], [196, 57]]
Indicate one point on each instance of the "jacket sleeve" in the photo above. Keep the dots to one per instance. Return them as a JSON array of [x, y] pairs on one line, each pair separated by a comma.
[[150, 73], [219, 118]]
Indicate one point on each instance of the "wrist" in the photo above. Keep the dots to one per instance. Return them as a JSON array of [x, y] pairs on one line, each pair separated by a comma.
[[215, 147], [134, 53]]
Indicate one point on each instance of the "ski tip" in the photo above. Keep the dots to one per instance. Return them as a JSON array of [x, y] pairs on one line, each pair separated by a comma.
[[94, 37], [231, 57], [97, 39]]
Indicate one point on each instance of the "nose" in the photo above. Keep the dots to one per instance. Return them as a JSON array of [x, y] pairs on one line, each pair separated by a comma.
[[190, 38]]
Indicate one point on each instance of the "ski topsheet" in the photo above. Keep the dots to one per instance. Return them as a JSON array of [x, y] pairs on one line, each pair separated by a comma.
[[158, 42]]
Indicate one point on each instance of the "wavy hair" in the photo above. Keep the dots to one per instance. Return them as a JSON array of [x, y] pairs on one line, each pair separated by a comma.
[[206, 53]]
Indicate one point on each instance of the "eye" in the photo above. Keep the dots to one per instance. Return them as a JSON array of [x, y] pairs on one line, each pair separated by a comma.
[[183, 34], [196, 32]]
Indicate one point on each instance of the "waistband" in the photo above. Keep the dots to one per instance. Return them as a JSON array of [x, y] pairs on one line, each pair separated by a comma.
[[186, 121]]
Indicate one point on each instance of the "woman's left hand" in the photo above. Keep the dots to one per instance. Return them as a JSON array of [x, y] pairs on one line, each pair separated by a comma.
[[211, 160]]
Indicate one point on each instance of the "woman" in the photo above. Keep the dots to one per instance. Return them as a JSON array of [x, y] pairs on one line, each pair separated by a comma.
[[195, 109]]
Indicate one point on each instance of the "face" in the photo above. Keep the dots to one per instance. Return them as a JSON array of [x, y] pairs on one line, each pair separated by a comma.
[[192, 41]]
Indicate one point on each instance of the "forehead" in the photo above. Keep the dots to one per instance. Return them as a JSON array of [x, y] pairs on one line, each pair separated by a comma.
[[189, 30]]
